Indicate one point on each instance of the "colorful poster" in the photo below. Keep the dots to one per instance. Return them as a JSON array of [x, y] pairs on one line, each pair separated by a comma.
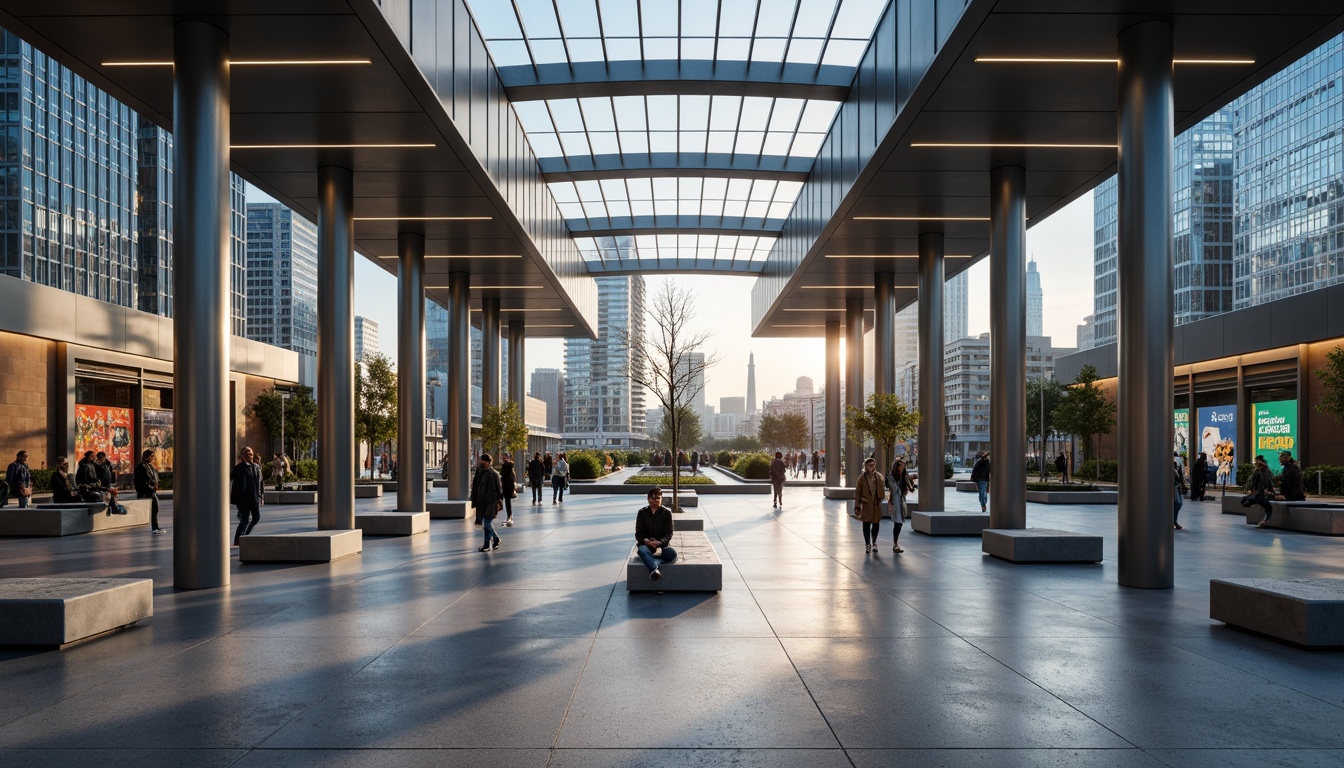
[[110, 430], [1181, 446], [1275, 430], [159, 437], [1217, 438]]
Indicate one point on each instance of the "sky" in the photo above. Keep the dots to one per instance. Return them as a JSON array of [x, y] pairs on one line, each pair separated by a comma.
[[1061, 245]]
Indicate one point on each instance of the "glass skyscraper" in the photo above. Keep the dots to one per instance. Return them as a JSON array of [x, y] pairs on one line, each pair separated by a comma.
[[602, 406], [281, 278]]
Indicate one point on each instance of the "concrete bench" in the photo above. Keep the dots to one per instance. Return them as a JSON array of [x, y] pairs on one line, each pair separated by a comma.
[[440, 483], [72, 519], [687, 523], [368, 491], [1073, 497], [392, 523], [1307, 612], [834, 491], [967, 486], [291, 497], [303, 547], [696, 569], [1040, 545], [1304, 516], [448, 510], [58, 612], [949, 523]]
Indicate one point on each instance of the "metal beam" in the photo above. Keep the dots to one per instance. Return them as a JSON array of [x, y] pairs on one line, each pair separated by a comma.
[[583, 79], [626, 226], [676, 164], [673, 266]]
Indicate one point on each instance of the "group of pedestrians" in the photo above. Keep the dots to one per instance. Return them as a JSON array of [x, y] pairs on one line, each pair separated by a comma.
[[871, 490]]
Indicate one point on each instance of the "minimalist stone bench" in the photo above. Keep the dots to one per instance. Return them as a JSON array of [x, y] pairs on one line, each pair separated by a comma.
[[1040, 545], [949, 523], [1073, 497], [967, 486], [392, 523], [440, 483], [447, 510], [291, 497], [833, 491], [1307, 612], [696, 569], [687, 523], [368, 491], [58, 612], [303, 547], [1303, 516], [72, 519]]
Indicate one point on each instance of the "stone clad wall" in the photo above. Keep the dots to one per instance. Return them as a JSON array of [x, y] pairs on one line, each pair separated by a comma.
[[27, 374]]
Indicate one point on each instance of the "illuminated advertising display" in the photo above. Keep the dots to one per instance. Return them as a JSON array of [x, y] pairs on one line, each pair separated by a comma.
[[1218, 440], [1275, 430], [1181, 446], [110, 430]]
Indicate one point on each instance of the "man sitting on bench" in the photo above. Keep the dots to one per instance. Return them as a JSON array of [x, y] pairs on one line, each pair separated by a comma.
[[653, 531]]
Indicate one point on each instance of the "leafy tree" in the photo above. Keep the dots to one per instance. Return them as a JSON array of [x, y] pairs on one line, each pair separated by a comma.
[[662, 360], [1052, 392], [375, 401], [744, 443], [1085, 410], [502, 426], [300, 417], [786, 430], [691, 432], [886, 419], [1331, 375]]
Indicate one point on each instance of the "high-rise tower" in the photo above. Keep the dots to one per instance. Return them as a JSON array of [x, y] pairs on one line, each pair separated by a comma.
[[751, 383], [1035, 301]]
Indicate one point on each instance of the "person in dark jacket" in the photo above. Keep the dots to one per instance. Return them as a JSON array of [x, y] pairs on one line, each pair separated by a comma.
[[486, 498], [107, 474], [246, 492], [509, 479], [86, 479], [980, 476], [62, 485], [536, 472], [777, 472], [1062, 466], [19, 480], [1261, 486], [653, 532], [147, 487], [547, 462], [1199, 476], [695, 462], [1290, 481]]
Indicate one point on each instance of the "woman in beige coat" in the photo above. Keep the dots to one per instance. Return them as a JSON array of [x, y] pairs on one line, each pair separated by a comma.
[[868, 493]]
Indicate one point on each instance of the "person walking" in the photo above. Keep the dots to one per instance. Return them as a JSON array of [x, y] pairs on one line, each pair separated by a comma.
[[899, 483], [279, 467], [559, 479], [868, 495], [246, 492], [777, 471], [535, 472], [1179, 478], [980, 476], [816, 465], [444, 465], [1261, 486], [19, 479], [549, 464], [509, 480], [1062, 466], [1199, 476], [487, 494], [1290, 480], [147, 487], [695, 462], [62, 485]]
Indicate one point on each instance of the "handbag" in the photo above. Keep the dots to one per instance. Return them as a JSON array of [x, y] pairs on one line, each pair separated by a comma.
[[25, 490]]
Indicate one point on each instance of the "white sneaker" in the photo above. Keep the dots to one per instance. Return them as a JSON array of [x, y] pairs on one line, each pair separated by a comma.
[[508, 523]]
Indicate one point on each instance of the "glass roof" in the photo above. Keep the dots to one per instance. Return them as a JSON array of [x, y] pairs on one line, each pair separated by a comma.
[[682, 136], [534, 32]]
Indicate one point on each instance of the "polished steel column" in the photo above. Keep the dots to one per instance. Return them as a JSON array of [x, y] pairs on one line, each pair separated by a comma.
[[833, 409], [489, 352], [201, 284], [411, 372], [853, 384], [1145, 305], [884, 348], [932, 408], [457, 423], [1008, 348], [518, 364], [336, 458]]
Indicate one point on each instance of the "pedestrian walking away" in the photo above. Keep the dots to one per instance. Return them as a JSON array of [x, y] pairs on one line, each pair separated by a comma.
[[147, 487], [246, 492], [1261, 487], [899, 483], [559, 479], [653, 534], [18, 481], [1199, 477], [868, 493], [980, 476], [487, 498], [1179, 479], [1062, 466], [510, 483], [777, 471], [536, 470]]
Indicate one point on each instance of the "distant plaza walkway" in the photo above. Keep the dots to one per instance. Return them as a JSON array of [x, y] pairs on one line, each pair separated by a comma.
[[424, 652]]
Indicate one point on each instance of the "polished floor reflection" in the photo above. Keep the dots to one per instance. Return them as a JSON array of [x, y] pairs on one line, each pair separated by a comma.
[[425, 652]]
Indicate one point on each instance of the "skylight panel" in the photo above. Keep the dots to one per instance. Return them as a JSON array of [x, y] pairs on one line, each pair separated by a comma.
[[777, 143], [623, 49], [613, 189], [724, 114], [662, 113], [603, 143], [697, 48], [579, 18], [574, 144], [630, 113], [586, 49], [739, 189], [545, 144], [857, 18], [597, 114], [550, 51], [620, 18], [694, 142], [496, 21], [665, 188], [844, 53], [659, 18], [588, 190], [755, 114], [663, 141], [768, 49], [566, 115], [786, 113], [690, 188], [634, 142], [510, 53], [640, 189], [721, 142], [533, 115], [694, 113], [817, 116], [738, 18], [661, 48], [538, 18], [749, 142], [805, 50], [716, 188], [564, 192], [734, 49], [775, 18], [807, 144]]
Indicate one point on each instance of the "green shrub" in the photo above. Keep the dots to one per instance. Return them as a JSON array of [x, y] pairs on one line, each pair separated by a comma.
[[724, 459], [646, 478], [617, 457], [1104, 470], [165, 481], [1244, 472], [585, 465], [1332, 479], [947, 470], [41, 479], [306, 469], [636, 458], [753, 466]]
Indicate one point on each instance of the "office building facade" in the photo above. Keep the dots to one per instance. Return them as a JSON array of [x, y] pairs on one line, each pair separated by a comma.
[[548, 386], [366, 338], [955, 319], [602, 406], [1035, 301], [281, 278]]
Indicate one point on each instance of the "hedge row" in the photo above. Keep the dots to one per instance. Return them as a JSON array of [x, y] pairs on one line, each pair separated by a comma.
[[753, 466]]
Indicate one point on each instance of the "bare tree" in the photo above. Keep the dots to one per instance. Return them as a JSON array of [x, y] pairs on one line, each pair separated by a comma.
[[664, 361]]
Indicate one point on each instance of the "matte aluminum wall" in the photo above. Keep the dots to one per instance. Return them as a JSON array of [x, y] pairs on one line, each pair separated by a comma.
[[451, 55]]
